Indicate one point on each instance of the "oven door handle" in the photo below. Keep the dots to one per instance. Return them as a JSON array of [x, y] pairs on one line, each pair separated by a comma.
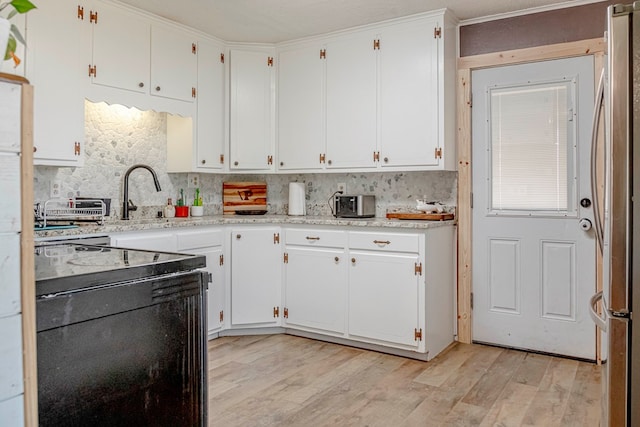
[[601, 322]]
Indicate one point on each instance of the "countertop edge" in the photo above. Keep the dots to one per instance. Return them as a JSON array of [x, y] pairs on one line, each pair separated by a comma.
[[120, 226]]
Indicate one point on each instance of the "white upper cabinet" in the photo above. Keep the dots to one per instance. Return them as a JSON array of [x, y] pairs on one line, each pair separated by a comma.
[[301, 107], [408, 94], [251, 109], [351, 101], [385, 98], [174, 63], [55, 66], [121, 42], [210, 150], [200, 146]]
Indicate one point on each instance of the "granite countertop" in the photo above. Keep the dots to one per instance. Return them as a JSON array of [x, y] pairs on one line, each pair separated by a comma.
[[118, 226]]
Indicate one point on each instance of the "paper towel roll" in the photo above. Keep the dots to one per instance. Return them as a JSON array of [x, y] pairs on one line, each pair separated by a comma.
[[297, 198]]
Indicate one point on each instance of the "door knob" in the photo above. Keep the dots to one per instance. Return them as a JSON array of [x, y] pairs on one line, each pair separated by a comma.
[[585, 224]]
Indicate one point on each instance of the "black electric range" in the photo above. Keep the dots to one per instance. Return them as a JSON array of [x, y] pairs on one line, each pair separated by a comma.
[[121, 336]]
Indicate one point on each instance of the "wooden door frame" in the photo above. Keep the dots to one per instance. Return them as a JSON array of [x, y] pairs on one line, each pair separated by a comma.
[[466, 65]]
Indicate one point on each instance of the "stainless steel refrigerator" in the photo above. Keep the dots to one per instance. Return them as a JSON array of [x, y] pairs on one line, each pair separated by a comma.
[[619, 228]]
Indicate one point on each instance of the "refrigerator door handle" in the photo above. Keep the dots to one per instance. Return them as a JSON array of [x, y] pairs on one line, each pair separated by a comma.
[[597, 110], [593, 312]]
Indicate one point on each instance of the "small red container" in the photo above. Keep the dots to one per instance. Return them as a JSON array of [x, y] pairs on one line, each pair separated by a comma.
[[182, 211]]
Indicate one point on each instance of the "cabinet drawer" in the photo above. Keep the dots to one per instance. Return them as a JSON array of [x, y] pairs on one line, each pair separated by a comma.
[[395, 242], [320, 238], [199, 239]]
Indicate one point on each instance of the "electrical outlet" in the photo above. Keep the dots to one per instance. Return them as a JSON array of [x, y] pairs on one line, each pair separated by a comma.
[[342, 187], [194, 180], [55, 189]]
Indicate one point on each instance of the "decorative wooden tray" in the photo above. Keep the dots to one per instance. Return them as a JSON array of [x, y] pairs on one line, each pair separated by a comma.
[[420, 216]]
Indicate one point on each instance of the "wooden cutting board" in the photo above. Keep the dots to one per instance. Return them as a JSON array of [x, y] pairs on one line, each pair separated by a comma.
[[243, 196], [420, 216]]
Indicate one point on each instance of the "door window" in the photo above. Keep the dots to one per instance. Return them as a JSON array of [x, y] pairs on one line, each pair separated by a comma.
[[532, 149]]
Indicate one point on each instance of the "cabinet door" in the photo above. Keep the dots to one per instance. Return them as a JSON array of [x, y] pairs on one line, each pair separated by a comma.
[[210, 144], [300, 108], [173, 64], [55, 67], [255, 276], [351, 102], [408, 94], [215, 293], [121, 45], [315, 288], [383, 297], [251, 139]]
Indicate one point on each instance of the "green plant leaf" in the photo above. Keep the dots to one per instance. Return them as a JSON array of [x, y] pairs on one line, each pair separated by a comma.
[[12, 14], [22, 6], [11, 47], [16, 33]]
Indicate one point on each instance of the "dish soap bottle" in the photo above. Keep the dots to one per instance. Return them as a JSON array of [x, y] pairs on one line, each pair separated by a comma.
[[169, 210]]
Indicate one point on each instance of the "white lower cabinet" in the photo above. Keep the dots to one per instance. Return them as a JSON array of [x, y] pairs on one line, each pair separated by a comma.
[[315, 280], [391, 291], [384, 295], [256, 266], [209, 242]]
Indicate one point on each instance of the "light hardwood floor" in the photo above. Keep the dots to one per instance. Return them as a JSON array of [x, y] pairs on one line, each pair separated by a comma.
[[283, 380]]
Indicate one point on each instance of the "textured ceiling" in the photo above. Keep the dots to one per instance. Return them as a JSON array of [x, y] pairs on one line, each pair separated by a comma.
[[271, 21]]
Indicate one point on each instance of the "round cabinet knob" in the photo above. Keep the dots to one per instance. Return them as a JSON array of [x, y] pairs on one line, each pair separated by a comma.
[[35, 149], [353, 260], [235, 163], [328, 162], [386, 160], [140, 84], [157, 88], [238, 236], [281, 163], [336, 259], [203, 162]]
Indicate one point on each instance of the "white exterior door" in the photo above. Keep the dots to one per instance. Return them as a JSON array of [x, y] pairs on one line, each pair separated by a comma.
[[533, 265]]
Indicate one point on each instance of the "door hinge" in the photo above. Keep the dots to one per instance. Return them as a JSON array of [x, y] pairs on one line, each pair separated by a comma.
[[437, 32], [209, 278], [471, 300], [285, 258], [286, 313], [471, 201], [276, 238], [270, 61], [417, 334], [193, 92], [418, 269], [276, 311], [323, 53], [376, 156], [80, 12], [322, 158], [93, 17], [269, 160], [76, 148], [376, 44], [221, 316], [222, 58], [221, 259], [438, 153], [92, 71], [194, 48], [222, 159]]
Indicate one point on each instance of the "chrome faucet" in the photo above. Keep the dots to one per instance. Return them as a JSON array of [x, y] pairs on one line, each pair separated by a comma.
[[127, 205]]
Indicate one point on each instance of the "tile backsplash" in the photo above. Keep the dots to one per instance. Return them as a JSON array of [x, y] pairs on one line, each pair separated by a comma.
[[118, 137]]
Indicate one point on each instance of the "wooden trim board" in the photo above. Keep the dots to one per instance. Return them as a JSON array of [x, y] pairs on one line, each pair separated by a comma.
[[465, 187], [27, 274]]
